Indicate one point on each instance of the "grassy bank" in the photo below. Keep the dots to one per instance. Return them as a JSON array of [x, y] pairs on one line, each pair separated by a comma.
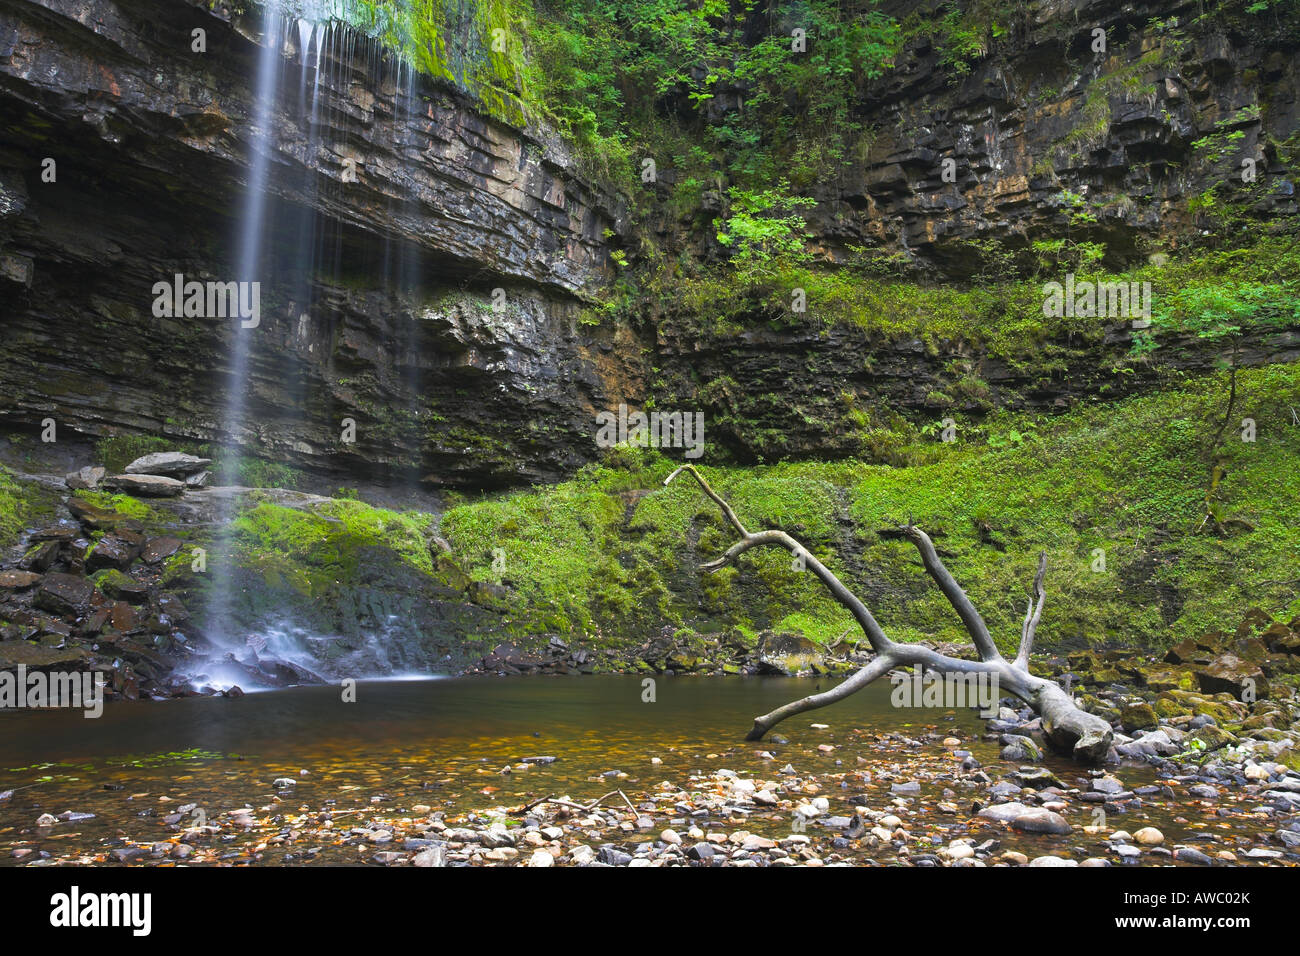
[[1114, 493]]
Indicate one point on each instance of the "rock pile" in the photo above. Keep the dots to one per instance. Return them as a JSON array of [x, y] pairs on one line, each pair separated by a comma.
[[164, 474]]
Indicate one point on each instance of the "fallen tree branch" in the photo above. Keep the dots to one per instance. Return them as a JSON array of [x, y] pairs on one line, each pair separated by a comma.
[[1086, 736], [519, 811]]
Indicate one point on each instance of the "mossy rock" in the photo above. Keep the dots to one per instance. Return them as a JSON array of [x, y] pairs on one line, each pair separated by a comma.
[[1138, 715], [1168, 707], [1213, 738]]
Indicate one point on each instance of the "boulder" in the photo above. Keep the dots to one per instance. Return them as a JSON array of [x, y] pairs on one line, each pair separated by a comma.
[[1028, 819], [64, 594], [1229, 674], [151, 486], [86, 479], [173, 464], [1138, 715]]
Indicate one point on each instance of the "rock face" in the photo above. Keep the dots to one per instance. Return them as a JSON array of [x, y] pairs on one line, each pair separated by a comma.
[[459, 249], [1043, 114], [150, 145]]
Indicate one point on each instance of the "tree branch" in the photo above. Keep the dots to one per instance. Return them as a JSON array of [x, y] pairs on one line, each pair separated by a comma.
[[1032, 615], [970, 617], [1066, 727]]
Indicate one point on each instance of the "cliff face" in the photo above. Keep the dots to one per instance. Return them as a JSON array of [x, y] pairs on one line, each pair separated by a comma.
[[398, 209], [393, 218], [1043, 114]]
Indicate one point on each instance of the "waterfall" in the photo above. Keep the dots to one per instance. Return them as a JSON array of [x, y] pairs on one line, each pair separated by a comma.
[[249, 236], [324, 53]]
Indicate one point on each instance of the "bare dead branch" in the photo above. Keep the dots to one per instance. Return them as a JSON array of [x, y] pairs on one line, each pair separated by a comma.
[[1033, 614], [1067, 727], [970, 617]]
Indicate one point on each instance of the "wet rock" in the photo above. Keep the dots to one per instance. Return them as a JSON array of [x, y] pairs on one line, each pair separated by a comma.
[[173, 464], [111, 551], [1051, 861], [150, 486], [1020, 748], [1186, 854], [64, 594], [85, 479], [40, 558], [18, 580], [613, 856], [120, 587], [160, 549]]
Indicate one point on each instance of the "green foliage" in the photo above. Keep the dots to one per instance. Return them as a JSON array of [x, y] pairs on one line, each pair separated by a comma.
[[622, 77], [587, 556], [13, 508], [764, 230], [330, 535]]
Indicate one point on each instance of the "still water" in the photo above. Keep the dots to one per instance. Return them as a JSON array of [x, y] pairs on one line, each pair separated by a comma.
[[456, 745]]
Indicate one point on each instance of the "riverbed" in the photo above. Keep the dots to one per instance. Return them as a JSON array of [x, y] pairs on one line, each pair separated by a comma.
[[304, 775]]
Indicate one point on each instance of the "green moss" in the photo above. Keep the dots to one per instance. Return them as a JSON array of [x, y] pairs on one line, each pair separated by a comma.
[[1125, 478], [13, 508], [329, 535], [125, 505]]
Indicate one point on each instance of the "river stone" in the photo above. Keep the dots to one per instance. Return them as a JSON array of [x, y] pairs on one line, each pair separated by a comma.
[[18, 580], [160, 548], [171, 463], [1020, 748], [613, 856], [1186, 854], [1051, 861], [151, 486], [1149, 836], [541, 858], [86, 479], [1212, 737], [64, 594], [1028, 819]]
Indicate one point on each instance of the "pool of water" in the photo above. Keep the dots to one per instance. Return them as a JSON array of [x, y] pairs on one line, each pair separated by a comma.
[[456, 745]]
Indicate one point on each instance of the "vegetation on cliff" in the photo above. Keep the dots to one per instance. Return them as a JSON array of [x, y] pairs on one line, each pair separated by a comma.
[[1114, 492]]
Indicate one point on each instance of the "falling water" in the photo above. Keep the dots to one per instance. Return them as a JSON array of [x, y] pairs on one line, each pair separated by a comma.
[[326, 54], [249, 242]]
